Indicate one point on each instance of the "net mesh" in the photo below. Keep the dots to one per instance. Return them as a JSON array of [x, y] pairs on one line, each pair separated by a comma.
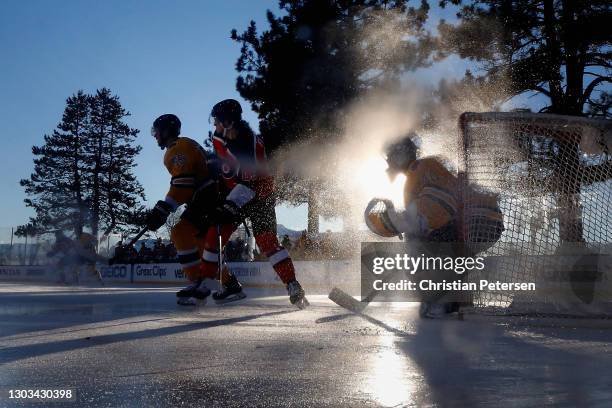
[[552, 178]]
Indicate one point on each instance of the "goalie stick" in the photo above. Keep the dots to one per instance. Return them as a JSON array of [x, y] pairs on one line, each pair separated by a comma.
[[343, 299]]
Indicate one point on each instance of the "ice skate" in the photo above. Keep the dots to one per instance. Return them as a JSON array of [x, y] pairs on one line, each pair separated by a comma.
[[297, 296], [194, 294], [188, 290], [430, 310], [231, 292]]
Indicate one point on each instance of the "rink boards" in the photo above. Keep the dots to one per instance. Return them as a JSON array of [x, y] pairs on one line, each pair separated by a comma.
[[314, 274]]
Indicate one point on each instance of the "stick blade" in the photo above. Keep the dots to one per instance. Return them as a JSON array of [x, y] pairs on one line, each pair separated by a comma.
[[346, 301]]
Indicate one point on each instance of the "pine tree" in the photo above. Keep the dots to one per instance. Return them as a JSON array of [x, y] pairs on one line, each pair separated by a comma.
[[115, 192], [317, 58], [83, 174], [56, 188], [560, 49]]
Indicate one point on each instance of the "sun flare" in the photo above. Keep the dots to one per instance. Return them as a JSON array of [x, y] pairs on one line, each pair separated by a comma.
[[372, 181]]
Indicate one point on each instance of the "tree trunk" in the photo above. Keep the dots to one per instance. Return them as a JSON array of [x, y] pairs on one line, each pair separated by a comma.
[[95, 218], [552, 47], [78, 227], [313, 214]]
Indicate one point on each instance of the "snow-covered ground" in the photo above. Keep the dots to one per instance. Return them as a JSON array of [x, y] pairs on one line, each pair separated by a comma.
[[132, 346]]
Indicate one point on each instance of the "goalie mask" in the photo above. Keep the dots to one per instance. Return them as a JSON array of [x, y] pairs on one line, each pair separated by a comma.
[[400, 155]]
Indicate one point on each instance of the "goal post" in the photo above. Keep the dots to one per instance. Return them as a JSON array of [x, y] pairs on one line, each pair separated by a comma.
[[552, 176]]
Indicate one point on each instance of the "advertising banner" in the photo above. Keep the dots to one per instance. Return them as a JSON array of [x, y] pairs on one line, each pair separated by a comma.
[[21, 272]]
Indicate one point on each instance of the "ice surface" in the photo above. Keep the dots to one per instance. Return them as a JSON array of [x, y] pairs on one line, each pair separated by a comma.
[[131, 346]]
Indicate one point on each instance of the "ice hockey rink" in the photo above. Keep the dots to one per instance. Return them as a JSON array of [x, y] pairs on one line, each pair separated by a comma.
[[133, 346]]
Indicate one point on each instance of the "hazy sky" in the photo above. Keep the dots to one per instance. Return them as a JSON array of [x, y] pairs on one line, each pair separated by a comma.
[[158, 56]]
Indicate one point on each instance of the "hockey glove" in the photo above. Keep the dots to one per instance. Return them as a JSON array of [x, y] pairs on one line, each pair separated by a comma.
[[158, 215], [226, 213]]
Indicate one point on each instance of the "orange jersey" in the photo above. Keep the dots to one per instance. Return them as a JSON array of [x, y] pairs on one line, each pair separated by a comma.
[[186, 162], [433, 191]]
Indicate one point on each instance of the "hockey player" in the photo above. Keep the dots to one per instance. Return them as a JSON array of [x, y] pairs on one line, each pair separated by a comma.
[[74, 256], [431, 214], [250, 194], [191, 181]]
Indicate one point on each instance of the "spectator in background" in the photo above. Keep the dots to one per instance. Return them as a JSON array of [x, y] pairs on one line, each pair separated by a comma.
[[171, 253], [235, 250], [131, 254], [286, 242], [145, 254]]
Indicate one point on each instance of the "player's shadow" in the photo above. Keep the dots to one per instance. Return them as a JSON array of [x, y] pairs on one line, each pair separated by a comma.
[[84, 329], [41, 312], [10, 354]]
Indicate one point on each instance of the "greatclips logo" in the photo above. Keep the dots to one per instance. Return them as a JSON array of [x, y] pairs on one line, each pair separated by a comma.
[[151, 271]]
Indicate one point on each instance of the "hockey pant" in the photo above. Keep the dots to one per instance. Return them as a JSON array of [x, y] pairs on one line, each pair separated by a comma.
[[189, 247], [263, 219]]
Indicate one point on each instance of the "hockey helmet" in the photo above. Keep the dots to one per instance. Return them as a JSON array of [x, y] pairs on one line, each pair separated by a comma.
[[228, 110], [165, 128]]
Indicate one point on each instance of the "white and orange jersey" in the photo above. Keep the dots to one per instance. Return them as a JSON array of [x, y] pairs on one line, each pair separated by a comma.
[[244, 161], [186, 162]]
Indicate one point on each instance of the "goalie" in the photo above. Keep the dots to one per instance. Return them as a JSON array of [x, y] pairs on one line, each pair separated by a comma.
[[431, 214]]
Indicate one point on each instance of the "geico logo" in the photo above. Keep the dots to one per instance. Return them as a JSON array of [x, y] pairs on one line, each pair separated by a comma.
[[115, 272], [154, 270]]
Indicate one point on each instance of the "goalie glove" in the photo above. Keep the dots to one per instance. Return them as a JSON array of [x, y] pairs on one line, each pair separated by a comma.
[[377, 217], [383, 219], [158, 215]]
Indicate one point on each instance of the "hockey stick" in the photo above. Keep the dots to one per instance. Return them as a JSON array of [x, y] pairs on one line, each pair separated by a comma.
[[137, 237], [343, 299], [220, 258], [112, 260]]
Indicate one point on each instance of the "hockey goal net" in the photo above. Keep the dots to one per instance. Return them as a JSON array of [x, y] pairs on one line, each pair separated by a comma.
[[552, 176]]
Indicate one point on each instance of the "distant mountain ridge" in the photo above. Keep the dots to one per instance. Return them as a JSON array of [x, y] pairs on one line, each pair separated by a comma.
[[281, 231]]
